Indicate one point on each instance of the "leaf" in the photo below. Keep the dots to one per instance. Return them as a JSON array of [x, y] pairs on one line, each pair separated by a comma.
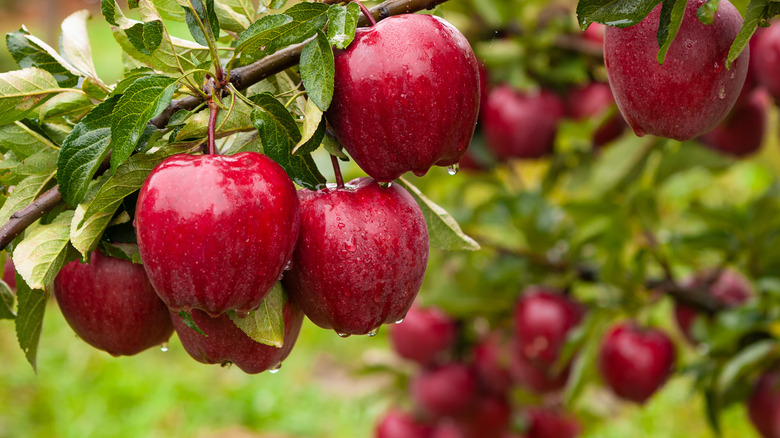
[[260, 30], [712, 409], [27, 52], [238, 119], [745, 362], [311, 122], [279, 134], [21, 91], [266, 324], [146, 37], [754, 14], [22, 140], [617, 13], [142, 101], [24, 193], [706, 12], [332, 146], [186, 318], [297, 24], [317, 69], [681, 158], [7, 299], [29, 319], [74, 43], [40, 256], [207, 17], [672, 13], [443, 231], [231, 19], [84, 150], [277, 4], [169, 10], [70, 104], [124, 251], [342, 23]]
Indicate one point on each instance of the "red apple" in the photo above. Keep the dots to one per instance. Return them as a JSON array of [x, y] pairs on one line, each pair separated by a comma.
[[361, 256], [764, 405], [490, 418], [595, 33], [226, 343], [635, 362], [549, 423], [424, 336], [767, 59], [111, 305], [521, 125], [399, 424], [9, 273], [742, 132], [216, 232], [692, 91], [593, 101], [537, 378], [447, 391], [491, 361], [406, 96]]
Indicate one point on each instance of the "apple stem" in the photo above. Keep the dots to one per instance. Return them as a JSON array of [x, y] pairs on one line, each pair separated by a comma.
[[213, 110], [366, 12], [337, 171]]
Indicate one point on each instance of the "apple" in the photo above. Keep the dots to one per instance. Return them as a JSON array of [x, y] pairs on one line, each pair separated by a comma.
[[692, 91], [449, 428], [447, 391], [731, 288], [361, 256], [595, 33], [491, 361], [742, 132], [521, 125], [767, 59], [399, 424], [635, 362], [535, 377], [490, 418], [593, 101], [225, 343], [111, 305], [406, 96], [763, 406], [551, 423], [9, 273], [216, 232], [424, 336]]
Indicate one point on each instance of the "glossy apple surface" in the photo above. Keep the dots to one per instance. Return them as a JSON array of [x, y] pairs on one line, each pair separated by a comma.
[[764, 405], [742, 132], [767, 62], [361, 256], [692, 91], [635, 362], [447, 391], [406, 96], [399, 424], [216, 232], [425, 335], [111, 305], [226, 343], [593, 101], [550, 423], [521, 125]]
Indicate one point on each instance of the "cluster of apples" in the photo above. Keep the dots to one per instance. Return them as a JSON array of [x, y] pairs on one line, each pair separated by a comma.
[[216, 234]]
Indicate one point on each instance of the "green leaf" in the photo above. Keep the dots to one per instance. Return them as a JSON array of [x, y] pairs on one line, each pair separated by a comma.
[[745, 362], [169, 10], [754, 14], [260, 30], [7, 299], [623, 13], [142, 101], [28, 52], [146, 37], [206, 16], [70, 104], [43, 162], [443, 231], [186, 318], [317, 69], [24, 193], [706, 12], [40, 256], [311, 124], [29, 319], [277, 4], [342, 23], [239, 119], [332, 146], [232, 17], [21, 91], [74, 43], [279, 134], [712, 408], [84, 150], [266, 324], [267, 35], [680, 158], [123, 251], [22, 140], [672, 13]]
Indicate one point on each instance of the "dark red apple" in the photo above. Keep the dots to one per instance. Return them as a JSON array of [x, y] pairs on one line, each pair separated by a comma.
[[447, 391], [731, 288], [399, 424], [216, 232], [742, 132], [767, 59], [536, 377], [406, 96], [693, 90], [491, 361], [111, 305], [592, 101], [595, 33], [550, 423], [226, 343], [764, 405], [521, 125], [490, 418], [635, 362], [424, 336], [361, 256], [9, 273]]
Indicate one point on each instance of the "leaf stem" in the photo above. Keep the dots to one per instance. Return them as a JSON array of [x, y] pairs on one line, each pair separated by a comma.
[[213, 111], [366, 12], [337, 171]]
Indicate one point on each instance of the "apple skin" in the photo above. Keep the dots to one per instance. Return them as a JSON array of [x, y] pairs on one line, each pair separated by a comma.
[[424, 336], [635, 362], [764, 405], [767, 59], [447, 391], [548, 423], [592, 101], [490, 418], [216, 232], [111, 305], [535, 377], [742, 132], [226, 343], [399, 424], [595, 33], [9, 273], [406, 96], [361, 256], [521, 125], [491, 361], [693, 90]]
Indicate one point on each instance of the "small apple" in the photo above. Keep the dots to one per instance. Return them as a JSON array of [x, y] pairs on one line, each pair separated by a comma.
[[491, 361], [595, 33], [216, 232], [490, 418], [535, 377], [764, 405], [767, 59], [521, 125], [692, 91], [225, 343], [742, 132], [406, 96], [424, 336], [399, 424], [635, 362], [9, 273], [361, 256], [111, 305], [593, 101], [551, 423], [447, 391]]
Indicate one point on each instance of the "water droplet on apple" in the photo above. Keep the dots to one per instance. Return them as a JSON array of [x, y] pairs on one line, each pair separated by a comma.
[[343, 335], [341, 225], [399, 321], [275, 369], [373, 332], [164, 347], [453, 169], [350, 245], [639, 132], [722, 92], [288, 266]]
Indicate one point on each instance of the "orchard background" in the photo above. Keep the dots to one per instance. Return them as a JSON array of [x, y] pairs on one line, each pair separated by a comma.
[[606, 224]]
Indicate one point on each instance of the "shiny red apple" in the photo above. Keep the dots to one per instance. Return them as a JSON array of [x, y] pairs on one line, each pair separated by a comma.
[[406, 96], [446, 391], [424, 336], [767, 59], [764, 405], [742, 132], [552, 423], [216, 232]]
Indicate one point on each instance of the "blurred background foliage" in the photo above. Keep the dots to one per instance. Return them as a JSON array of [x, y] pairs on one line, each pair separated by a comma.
[[537, 220]]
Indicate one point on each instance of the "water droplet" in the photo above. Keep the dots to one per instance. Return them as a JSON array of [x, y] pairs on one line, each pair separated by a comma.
[[349, 245], [343, 335], [164, 347], [341, 225], [722, 92], [373, 332], [275, 369], [399, 321], [453, 169], [639, 132], [288, 266]]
